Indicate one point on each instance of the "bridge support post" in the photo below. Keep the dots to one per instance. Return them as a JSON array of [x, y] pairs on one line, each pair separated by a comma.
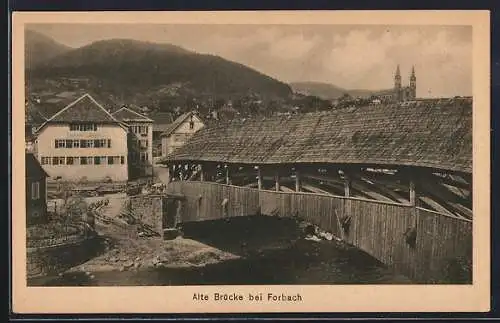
[[345, 221], [347, 185], [178, 170], [411, 233], [413, 194], [171, 173], [228, 181], [297, 180], [202, 173], [259, 178]]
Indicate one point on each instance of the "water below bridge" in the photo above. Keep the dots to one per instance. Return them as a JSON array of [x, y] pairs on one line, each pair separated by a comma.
[[266, 251]]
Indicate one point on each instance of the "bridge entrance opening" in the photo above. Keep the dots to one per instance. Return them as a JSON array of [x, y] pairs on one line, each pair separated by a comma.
[[169, 213]]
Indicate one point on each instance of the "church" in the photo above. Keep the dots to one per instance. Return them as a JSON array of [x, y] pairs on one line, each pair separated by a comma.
[[400, 93]]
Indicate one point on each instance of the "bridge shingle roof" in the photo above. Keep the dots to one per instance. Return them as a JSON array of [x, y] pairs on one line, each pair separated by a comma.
[[423, 135]]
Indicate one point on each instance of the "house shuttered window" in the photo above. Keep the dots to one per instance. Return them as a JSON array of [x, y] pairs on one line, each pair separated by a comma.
[[59, 143], [58, 160], [113, 160], [82, 143], [83, 127], [99, 143], [35, 190], [83, 160], [99, 160]]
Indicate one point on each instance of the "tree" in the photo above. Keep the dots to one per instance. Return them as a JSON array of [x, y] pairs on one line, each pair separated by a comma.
[[76, 208], [345, 97]]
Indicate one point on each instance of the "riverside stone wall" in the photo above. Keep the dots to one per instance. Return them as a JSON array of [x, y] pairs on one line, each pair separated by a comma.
[[55, 259], [149, 210]]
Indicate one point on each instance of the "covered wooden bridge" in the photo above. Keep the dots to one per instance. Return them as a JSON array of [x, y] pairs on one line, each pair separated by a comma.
[[394, 181]]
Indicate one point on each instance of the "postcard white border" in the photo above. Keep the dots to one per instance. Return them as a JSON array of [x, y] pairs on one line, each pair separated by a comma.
[[319, 298]]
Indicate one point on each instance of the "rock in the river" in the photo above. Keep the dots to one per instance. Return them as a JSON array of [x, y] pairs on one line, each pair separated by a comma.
[[326, 235], [128, 264], [312, 238]]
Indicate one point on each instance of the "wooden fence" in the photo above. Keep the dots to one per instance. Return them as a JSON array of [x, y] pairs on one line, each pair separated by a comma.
[[382, 229]]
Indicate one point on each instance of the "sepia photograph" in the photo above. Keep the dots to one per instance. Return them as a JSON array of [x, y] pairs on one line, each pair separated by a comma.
[[249, 154]]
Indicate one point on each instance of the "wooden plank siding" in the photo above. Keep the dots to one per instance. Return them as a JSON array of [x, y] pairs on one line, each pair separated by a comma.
[[377, 227]]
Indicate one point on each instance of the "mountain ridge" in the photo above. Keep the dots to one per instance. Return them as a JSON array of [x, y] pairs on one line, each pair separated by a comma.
[[40, 48], [141, 66], [158, 77], [328, 91]]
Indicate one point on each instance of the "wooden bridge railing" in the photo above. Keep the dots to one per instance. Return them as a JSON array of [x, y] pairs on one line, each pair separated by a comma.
[[424, 245]]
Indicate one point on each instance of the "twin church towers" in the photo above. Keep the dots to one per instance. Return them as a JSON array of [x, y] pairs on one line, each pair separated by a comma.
[[405, 93]]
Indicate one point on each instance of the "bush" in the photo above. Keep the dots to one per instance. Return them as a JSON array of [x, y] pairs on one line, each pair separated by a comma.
[[51, 230], [76, 207]]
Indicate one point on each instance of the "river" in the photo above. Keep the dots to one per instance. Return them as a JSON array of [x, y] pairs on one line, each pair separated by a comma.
[[267, 252]]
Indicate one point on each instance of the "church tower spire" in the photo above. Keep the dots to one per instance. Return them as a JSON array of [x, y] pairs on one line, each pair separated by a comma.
[[413, 83], [397, 84]]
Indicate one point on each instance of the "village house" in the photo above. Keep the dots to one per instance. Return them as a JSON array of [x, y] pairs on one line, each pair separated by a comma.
[[32, 120], [36, 191], [140, 142], [161, 123], [179, 131], [83, 141]]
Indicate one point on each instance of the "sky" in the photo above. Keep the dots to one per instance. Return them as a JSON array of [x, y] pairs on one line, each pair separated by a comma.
[[349, 56]]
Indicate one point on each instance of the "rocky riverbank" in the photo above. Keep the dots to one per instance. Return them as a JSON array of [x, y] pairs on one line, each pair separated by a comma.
[[239, 251], [203, 244], [153, 253]]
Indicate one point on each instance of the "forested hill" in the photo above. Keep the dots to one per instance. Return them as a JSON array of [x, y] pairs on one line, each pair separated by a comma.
[[125, 68], [40, 48]]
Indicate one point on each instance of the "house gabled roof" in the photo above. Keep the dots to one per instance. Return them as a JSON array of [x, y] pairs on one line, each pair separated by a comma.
[[33, 167], [127, 115], [83, 109], [162, 121], [427, 135], [177, 122]]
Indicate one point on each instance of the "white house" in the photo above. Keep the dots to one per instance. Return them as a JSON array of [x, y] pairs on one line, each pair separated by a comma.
[[140, 142], [83, 141], [179, 132]]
